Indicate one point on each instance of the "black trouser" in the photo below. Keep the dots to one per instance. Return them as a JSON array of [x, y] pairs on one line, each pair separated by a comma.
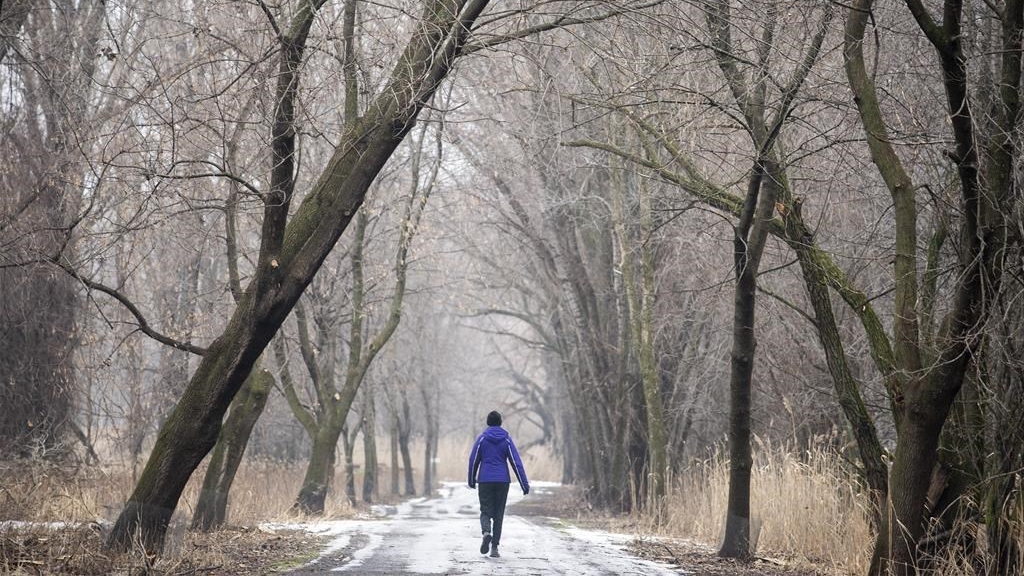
[[492, 507]]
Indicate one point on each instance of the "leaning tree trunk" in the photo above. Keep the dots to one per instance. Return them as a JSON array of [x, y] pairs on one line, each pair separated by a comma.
[[211, 509], [814, 269], [289, 258]]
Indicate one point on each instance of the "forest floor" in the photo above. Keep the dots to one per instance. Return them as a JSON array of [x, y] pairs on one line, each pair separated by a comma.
[[545, 533]]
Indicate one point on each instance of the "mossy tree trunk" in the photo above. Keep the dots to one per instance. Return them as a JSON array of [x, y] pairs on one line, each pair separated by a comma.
[[320, 470], [211, 509], [814, 266]]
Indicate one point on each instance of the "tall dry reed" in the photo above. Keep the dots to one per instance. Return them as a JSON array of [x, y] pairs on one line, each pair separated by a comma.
[[803, 506]]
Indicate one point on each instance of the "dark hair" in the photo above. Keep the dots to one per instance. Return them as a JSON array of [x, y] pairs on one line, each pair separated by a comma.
[[494, 419]]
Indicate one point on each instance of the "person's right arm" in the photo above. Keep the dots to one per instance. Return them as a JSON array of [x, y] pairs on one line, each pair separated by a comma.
[[474, 462]]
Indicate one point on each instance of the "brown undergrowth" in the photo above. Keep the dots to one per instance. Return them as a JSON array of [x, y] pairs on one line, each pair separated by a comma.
[[78, 550], [53, 518]]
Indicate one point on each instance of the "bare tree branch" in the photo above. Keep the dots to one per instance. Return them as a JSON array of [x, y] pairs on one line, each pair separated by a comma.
[[133, 309]]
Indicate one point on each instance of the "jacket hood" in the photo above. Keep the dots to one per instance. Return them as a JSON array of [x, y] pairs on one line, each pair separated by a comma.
[[495, 434]]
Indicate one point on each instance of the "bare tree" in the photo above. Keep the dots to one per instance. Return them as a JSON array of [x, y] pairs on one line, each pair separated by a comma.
[[291, 251], [334, 402], [932, 368]]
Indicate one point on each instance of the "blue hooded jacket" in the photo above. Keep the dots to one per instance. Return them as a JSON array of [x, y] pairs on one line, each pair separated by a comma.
[[489, 460]]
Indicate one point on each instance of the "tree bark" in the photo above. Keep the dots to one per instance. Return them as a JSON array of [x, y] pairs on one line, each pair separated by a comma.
[[923, 403], [748, 246], [369, 445], [211, 509], [319, 471], [636, 262], [404, 432]]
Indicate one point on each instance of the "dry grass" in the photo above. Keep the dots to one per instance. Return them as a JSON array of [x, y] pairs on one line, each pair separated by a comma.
[[86, 500], [263, 491], [41, 492], [964, 549], [453, 461], [804, 509]]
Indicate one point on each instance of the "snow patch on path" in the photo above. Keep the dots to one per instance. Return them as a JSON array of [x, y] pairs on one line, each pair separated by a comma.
[[442, 536]]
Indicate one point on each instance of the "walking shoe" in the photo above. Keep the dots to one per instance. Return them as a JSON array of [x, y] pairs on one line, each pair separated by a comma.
[[494, 552], [486, 543]]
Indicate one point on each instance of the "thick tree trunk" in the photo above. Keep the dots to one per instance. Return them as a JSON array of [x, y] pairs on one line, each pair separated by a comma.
[[913, 463], [737, 522], [319, 471], [188, 435], [211, 509]]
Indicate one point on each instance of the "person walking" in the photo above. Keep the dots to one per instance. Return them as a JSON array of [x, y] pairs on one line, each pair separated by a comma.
[[488, 467]]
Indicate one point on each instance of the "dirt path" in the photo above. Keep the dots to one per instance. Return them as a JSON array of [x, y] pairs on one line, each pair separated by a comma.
[[441, 536]]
